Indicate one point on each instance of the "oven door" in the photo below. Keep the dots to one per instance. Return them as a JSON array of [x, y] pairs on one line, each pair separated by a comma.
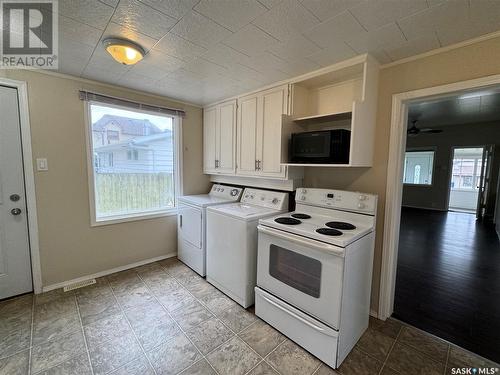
[[305, 273]]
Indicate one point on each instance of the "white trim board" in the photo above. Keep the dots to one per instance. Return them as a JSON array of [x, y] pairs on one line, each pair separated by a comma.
[[29, 178], [50, 287], [394, 187]]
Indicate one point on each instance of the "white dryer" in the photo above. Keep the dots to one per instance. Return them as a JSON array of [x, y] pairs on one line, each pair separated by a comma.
[[191, 223], [232, 242]]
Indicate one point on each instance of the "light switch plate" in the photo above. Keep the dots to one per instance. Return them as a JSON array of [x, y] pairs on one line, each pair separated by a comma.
[[42, 164]]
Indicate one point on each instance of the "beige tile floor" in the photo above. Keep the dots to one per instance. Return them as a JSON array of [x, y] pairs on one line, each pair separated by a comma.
[[163, 318]]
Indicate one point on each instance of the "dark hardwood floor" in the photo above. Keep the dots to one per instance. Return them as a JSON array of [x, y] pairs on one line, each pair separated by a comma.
[[448, 279]]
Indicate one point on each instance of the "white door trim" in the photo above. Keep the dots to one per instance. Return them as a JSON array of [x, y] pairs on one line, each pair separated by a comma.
[[29, 178], [394, 189]]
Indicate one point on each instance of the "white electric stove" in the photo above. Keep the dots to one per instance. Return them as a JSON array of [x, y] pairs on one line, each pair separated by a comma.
[[314, 270]]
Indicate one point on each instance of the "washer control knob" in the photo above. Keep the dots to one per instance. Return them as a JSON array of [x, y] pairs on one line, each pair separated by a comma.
[[361, 205], [362, 197], [303, 197]]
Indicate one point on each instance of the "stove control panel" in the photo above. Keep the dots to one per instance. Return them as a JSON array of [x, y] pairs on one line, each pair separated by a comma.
[[223, 191], [265, 198], [338, 199]]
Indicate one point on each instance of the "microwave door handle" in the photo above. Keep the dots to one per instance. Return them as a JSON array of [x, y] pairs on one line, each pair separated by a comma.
[[305, 321], [292, 238]]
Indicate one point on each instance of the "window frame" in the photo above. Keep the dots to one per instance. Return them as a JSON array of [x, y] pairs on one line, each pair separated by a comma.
[[426, 149], [178, 177]]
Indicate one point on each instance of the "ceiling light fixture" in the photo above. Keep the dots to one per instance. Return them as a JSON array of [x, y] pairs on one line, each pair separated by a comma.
[[124, 51]]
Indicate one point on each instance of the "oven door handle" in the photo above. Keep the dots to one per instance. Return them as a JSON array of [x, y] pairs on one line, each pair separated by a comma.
[[305, 321], [302, 241]]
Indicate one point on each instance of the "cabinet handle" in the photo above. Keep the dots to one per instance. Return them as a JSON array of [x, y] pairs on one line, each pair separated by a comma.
[[180, 221], [258, 165], [216, 163]]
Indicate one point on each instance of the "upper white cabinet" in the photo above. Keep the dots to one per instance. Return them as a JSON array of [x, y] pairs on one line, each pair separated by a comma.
[[219, 138], [343, 96], [259, 133], [250, 137]]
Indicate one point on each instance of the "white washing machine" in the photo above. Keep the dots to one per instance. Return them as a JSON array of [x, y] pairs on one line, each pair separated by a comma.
[[191, 223], [232, 242]]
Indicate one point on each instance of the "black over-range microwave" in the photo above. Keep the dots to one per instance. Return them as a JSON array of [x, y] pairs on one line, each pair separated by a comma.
[[321, 147]]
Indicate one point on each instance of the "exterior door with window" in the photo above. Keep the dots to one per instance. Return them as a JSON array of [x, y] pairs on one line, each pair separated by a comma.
[[15, 263]]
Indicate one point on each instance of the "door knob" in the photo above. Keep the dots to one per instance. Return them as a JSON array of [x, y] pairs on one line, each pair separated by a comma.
[[15, 211]]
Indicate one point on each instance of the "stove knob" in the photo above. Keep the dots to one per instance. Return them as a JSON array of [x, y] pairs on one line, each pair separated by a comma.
[[361, 205], [234, 192], [221, 190], [362, 197], [275, 201], [304, 191], [303, 197]]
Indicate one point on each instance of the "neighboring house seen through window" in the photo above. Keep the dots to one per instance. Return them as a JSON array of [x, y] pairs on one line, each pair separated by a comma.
[[134, 166]]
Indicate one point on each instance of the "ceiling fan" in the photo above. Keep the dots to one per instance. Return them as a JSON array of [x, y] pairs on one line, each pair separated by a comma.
[[413, 131]]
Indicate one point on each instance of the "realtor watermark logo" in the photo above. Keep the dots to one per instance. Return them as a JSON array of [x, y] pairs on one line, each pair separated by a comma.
[[474, 370], [29, 34]]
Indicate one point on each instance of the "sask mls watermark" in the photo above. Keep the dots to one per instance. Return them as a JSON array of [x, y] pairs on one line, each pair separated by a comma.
[[29, 32]]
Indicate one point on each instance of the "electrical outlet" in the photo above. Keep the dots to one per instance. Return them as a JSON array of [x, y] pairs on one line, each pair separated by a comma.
[[42, 164]]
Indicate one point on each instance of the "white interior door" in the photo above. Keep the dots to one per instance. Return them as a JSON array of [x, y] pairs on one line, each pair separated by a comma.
[[484, 181], [15, 263]]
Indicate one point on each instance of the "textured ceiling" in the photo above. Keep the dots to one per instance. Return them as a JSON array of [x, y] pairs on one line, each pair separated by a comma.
[[205, 50], [469, 108]]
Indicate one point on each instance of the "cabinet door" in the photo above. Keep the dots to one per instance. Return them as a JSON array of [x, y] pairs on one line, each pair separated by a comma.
[[274, 105], [247, 134], [226, 129], [209, 139]]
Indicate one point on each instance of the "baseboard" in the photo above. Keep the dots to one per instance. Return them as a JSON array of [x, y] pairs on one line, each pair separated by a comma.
[[425, 208], [48, 288], [373, 313]]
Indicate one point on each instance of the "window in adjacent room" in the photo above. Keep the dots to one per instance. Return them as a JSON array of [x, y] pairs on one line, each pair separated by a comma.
[[135, 170], [418, 167]]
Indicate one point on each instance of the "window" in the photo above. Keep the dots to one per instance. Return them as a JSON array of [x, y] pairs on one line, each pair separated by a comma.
[[133, 155], [113, 136], [135, 173], [418, 167]]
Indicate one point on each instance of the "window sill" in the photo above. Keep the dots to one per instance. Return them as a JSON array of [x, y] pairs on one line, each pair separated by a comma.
[[133, 217]]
